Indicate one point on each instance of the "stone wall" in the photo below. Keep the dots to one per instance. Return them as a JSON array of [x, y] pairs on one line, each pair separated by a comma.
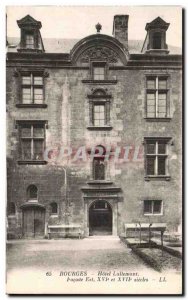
[[67, 114]]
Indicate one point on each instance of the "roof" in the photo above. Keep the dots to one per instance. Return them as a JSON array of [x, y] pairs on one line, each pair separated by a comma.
[[28, 20], [52, 45], [157, 23]]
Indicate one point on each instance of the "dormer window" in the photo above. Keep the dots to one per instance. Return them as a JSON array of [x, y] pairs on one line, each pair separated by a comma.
[[31, 40], [155, 41], [157, 38]]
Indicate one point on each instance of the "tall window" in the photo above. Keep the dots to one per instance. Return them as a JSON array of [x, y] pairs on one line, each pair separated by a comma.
[[157, 38], [152, 207], [98, 168], [99, 115], [32, 89], [29, 41], [11, 208], [156, 157], [32, 192], [99, 109], [32, 141], [156, 97], [53, 207]]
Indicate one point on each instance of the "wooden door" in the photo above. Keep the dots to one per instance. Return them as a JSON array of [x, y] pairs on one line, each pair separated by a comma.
[[39, 222], [33, 222]]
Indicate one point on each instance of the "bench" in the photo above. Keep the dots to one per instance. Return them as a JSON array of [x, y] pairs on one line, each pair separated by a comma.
[[64, 231]]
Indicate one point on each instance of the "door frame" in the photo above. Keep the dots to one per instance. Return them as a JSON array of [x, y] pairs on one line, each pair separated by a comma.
[[32, 207], [114, 206], [110, 211]]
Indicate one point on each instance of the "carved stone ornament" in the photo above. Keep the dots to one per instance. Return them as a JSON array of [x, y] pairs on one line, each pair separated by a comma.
[[18, 71], [99, 53]]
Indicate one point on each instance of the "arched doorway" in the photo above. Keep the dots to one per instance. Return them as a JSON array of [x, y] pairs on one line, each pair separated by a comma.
[[33, 224], [100, 218]]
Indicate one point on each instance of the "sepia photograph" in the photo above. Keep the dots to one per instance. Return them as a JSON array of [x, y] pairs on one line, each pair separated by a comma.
[[94, 150]]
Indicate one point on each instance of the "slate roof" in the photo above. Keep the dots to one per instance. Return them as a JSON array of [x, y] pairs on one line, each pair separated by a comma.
[[52, 45]]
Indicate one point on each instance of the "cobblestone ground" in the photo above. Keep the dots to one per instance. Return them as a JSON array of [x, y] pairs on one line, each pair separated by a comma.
[[91, 253]]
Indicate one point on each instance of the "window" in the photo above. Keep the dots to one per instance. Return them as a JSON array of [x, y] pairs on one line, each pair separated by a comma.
[[32, 89], [99, 110], [32, 192], [29, 41], [156, 157], [32, 141], [98, 73], [152, 207], [11, 208], [101, 204], [99, 115], [156, 97], [98, 168], [53, 206], [157, 38], [99, 70]]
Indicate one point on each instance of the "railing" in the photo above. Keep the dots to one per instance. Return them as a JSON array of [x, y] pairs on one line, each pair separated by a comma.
[[132, 229]]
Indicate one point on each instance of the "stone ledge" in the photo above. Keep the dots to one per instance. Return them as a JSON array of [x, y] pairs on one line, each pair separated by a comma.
[[32, 162], [107, 127], [95, 182], [91, 81], [32, 105], [158, 119], [148, 178]]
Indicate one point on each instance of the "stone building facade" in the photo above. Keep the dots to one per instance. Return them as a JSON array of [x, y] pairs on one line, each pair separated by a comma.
[[94, 132]]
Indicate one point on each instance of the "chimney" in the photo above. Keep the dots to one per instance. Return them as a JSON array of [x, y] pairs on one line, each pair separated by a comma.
[[120, 29]]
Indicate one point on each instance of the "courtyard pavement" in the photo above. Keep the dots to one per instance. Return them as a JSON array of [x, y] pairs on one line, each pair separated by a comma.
[[90, 253], [86, 266]]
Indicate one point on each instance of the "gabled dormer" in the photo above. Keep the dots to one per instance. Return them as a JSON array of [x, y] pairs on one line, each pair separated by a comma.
[[156, 37], [31, 40]]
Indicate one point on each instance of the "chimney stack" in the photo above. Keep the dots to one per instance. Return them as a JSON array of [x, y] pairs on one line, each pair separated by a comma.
[[120, 29]]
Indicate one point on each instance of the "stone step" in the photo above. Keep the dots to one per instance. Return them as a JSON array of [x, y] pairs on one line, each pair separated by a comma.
[[104, 237]]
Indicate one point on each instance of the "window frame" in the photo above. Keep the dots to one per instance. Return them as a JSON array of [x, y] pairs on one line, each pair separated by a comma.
[[100, 113], [26, 34], [99, 64], [52, 213], [32, 86], [29, 199], [156, 155], [94, 168], [152, 208], [31, 124], [37, 41], [32, 72], [99, 97], [154, 39], [157, 91]]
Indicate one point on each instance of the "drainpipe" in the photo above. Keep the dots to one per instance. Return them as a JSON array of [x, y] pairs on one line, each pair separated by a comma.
[[140, 232], [66, 198], [162, 232], [150, 234]]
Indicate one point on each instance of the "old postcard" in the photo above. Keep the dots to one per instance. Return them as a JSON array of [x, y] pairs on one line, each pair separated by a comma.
[[94, 150]]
